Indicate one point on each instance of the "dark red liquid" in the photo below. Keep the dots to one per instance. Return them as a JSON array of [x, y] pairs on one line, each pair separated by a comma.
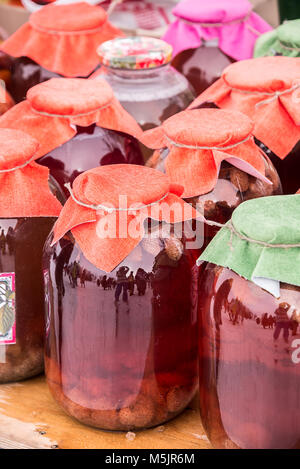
[[21, 247], [202, 66], [288, 168], [122, 356], [249, 363], [91, 147], [24, 74]]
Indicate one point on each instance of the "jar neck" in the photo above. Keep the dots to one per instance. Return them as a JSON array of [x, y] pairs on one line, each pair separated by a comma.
[[144, 74]]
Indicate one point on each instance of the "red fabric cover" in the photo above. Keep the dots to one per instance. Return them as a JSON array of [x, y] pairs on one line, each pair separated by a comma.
[[24, 192], [249, 86], [197, 169], [63, 38], [52, 106], [104, 185]]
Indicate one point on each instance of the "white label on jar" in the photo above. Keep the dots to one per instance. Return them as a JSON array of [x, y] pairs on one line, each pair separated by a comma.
[[271, 286], [7, 309]]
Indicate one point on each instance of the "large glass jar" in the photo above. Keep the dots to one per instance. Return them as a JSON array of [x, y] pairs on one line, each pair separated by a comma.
[[207, 37], [267, 90], [139, 71], [58, 40], [202, 66], [121, 344], [22, 239], [232, 185], [68, 150], [249, 314], [249, 362]]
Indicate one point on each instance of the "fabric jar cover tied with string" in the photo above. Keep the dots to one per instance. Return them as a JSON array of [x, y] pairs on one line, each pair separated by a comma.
[[198, 142], [24, 187], [261, 242], [53, 109], [267, 89], [101, 227], [285, 40], [63, 38], [234, 23]]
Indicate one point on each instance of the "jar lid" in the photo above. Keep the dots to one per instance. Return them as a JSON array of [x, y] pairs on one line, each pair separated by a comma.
[[285, 40], [24, 189], [68, 18], [266, 89], [262, 240], [70, 96], [108, 206], [199, 140], [135, 53], [217, 11]]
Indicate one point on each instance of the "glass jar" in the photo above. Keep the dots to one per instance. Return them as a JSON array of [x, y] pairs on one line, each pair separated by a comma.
[[233, 185], [101, 147], [135, 321], [46, 116], [57, 41], [125, 375], [249, 362], [202, 66], [266, 89], [148, 87], [22, 239]]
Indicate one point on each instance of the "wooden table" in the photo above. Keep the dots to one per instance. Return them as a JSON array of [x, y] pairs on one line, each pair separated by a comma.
[[30, 418]]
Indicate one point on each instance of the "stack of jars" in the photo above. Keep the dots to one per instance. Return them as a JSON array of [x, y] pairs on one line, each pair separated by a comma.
[[139, 285]]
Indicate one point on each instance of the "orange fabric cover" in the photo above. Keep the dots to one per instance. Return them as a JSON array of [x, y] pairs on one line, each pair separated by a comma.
[[250, 86], [63, 38], [53, 106], [24, 191], [104, 185], [197, 168]]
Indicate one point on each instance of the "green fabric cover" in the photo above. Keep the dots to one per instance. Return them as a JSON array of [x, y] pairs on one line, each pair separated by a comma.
[[276, 41], [275, 220]]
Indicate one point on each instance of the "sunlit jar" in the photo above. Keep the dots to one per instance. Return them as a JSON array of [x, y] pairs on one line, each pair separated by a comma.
[[58, 40], [267, 89], [28, 210], [207, 37], [249, 314], [139, 71], [128, 299], [79, 125], [212, 153]]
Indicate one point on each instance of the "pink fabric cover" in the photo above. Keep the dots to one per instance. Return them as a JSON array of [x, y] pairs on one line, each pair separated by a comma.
[[238, 27]]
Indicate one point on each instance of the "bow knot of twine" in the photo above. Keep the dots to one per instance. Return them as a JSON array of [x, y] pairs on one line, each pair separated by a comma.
[[112, 209], [273, 96]]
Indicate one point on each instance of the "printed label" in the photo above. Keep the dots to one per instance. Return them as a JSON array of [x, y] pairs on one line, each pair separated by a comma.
[[7, 309]]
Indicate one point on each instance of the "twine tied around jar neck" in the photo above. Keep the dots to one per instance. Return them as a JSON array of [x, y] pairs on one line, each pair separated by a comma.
[[233, 231], [21, 166], [293, 49], [112, 209], [66, 33], [273, 96], [196, 147]]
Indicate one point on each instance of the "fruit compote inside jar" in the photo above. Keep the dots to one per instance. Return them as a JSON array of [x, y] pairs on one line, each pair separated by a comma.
[[92, 146], [57, 41], [136, 366], [249, 362], [22, 239], [249, 334], [202, 66]]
